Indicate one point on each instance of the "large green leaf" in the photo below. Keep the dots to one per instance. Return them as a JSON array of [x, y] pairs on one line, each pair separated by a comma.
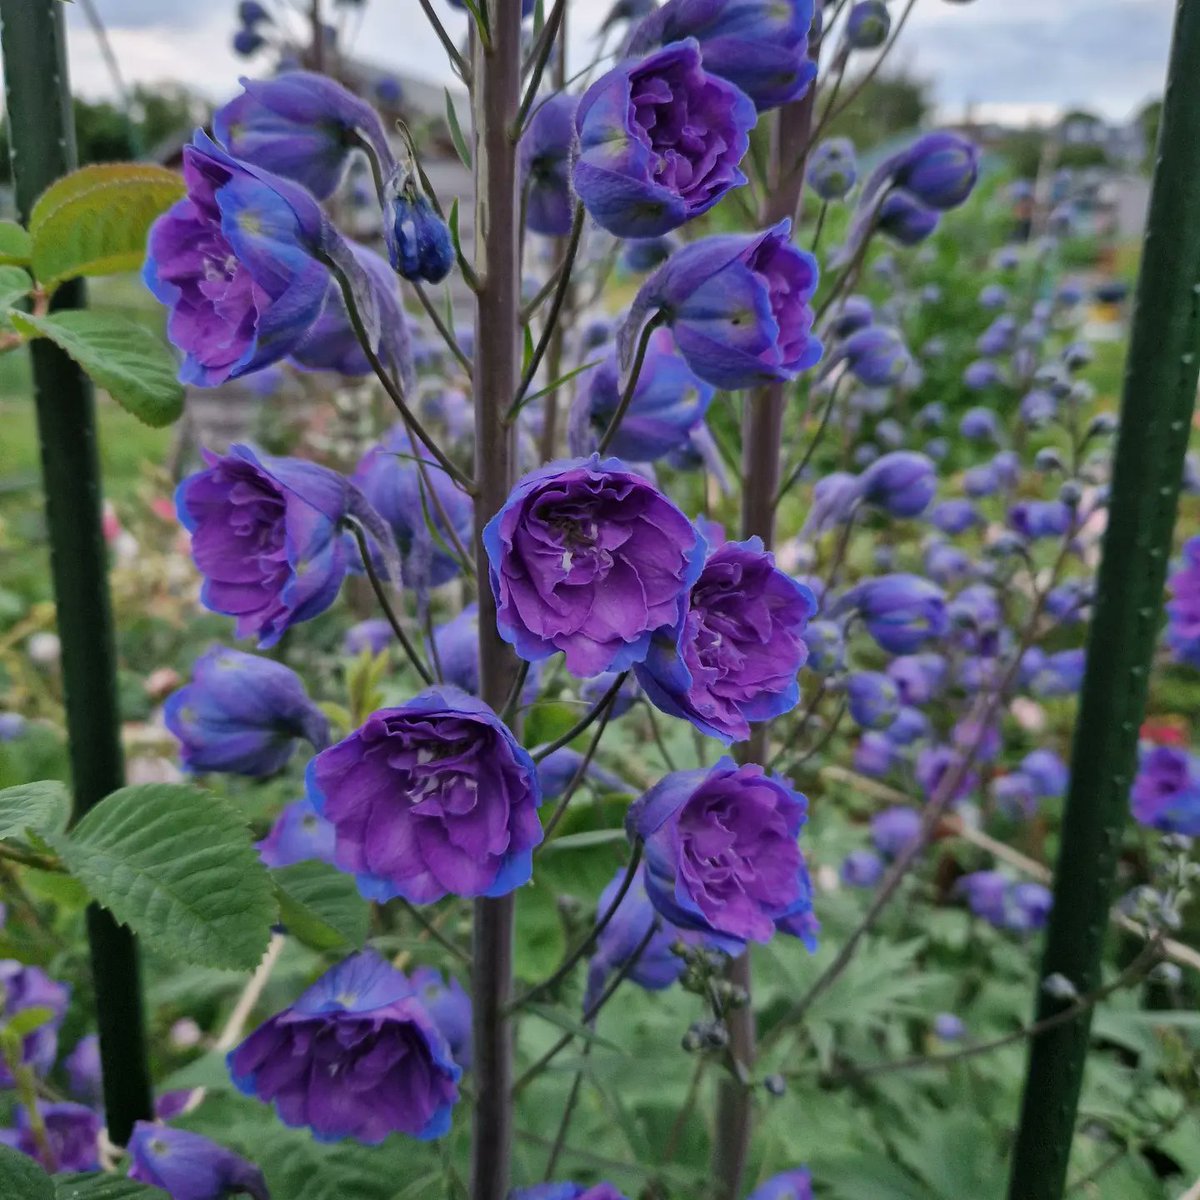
[[42, 807], [22, 1179], [16, 246], [95, 220], [129, 362], [103, 1187], [321, 906], [15, 284], [177, 866]]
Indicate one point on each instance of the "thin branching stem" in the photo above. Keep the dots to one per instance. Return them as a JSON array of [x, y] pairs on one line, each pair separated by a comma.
[[444, 331], [631, 383], [585, 722], [535, 65], [461, 67]]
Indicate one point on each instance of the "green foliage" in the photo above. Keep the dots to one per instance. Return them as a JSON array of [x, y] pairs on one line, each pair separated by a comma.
[[16, 246], [22, 1179], [103, 1187], [321, 906], [176, 865], [129, 362], [41, 808], [95, 220]]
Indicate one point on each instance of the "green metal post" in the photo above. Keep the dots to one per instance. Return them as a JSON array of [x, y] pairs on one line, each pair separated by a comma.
[[1156, 409], [42, 141]]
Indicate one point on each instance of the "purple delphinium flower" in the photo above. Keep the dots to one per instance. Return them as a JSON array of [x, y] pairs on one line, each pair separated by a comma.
[[734, 657], [910, 725], [939, 169], [902, 483], [873, 699], [739, 306], [976, 739], [759, 46], [660, 140], [450, 1007], [72, 1135], [593, 690], [399, 488], [235, 262], [986, 893], [1038, 408], [1061, 674], [861, 868], [12, 726], [918, 676], [21, 988], [979, 425], [591, 559], [644, 254], [905, 219], [953, 517], [1047, 771], [83, 1069], [895, 829], [357, 1056], [1166, 791], [867, 25], [243, 714], [1027, 907], [945, 564], [948, 1028], [669, 401], [432, 798], [418, 240], [1007, 465], [875, 755], [901, 612], [1040, 518], [826, 647], [373, 635], [791, 1185], [854, 313], [266, 536], [721, 853], [1183, 609], [657, 966], [568, 1191], [834, 498], [301, 126], [1015, 795], [545, 155], [876, 356], [832, 170], [190, 1167], [299, 834], [933, 765], [993, 296], [982, 374], [981, 481]]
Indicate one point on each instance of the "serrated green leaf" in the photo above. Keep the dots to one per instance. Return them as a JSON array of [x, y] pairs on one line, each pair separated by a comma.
[[22, 1179], [42, 807], [16, 246], [456, 133], [15, 285], [129, 362], [321, 906], [177, 866], [95, 220], [103, 1187]]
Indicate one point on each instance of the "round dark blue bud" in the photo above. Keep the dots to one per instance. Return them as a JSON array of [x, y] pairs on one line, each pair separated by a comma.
[[868, 25], [418, 240]]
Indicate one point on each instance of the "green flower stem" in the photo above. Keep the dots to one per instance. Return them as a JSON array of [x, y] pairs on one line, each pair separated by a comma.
[[1156, 409], [42, 137]]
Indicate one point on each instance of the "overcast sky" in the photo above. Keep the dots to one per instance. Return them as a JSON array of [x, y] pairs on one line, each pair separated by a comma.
[[1017, 59]]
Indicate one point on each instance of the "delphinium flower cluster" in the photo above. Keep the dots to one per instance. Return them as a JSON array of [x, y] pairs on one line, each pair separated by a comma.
[[670, 691]]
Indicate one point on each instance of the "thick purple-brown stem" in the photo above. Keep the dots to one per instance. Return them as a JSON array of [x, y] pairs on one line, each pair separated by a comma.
[[762, 443], [496, 94]]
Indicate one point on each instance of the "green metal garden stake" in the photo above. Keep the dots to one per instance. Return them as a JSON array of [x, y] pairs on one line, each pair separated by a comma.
[[1156, 408], [42, 141]]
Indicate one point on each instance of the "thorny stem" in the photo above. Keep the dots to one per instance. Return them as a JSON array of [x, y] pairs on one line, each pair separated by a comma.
[[631, 383], [584, 948], [385, 603]]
